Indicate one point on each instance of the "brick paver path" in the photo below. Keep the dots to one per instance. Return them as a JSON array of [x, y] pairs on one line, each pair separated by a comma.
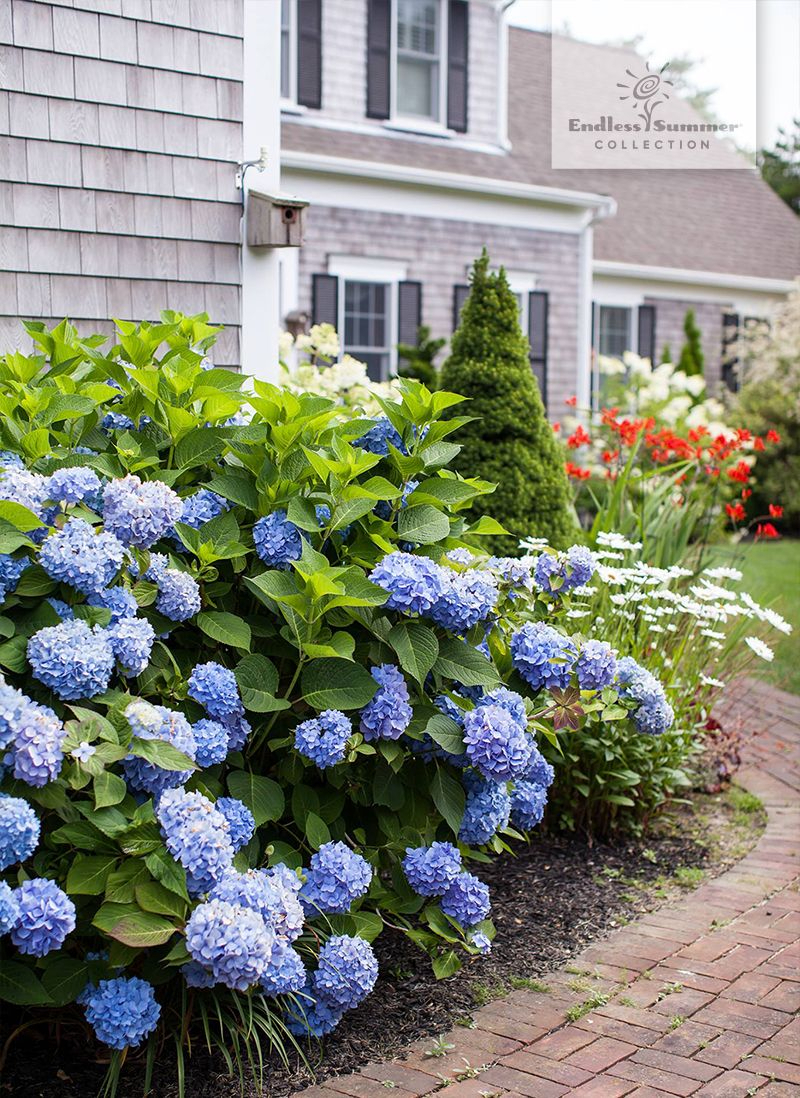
[[700, 997]]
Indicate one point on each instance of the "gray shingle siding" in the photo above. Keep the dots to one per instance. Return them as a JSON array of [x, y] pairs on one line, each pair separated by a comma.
[[117, 162], [670, 314]]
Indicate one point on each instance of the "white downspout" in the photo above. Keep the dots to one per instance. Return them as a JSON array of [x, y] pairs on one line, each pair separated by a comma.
[[583, 381]]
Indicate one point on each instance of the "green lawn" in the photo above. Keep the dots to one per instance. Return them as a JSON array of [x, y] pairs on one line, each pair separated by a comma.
[[772, 576]]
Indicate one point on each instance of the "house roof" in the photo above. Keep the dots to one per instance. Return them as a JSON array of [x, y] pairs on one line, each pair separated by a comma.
[[725, 221]]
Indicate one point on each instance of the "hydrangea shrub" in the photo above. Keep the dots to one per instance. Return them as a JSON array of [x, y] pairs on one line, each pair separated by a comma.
[[261, 689]]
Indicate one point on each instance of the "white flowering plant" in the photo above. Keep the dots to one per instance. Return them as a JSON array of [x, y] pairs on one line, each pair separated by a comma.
[[262, 694]]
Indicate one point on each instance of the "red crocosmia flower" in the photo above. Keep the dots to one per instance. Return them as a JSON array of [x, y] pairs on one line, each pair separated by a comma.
[[766, 530], [578, 438], [556, 428], [773, 436], [610, 455], [747, 493], [575, 471], [735, 512], [696, 433], [740, 472], [775, 510], [758, 444], [571, 401]]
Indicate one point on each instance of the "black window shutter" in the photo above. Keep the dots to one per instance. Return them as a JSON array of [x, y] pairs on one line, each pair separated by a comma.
[[457, 64], [730, 332], [409, 311], [537, 336], [309, 53], [325, 299], [460, 295], [646, 341], [379, 38]]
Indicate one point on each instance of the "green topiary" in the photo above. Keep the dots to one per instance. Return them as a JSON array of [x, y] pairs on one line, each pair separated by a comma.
[[692, 357], [509, 440]]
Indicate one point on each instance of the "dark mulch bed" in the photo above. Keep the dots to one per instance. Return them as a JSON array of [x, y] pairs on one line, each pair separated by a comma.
[[554, 897]]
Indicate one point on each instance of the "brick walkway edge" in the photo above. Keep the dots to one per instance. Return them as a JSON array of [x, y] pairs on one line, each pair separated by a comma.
[[699, 997]]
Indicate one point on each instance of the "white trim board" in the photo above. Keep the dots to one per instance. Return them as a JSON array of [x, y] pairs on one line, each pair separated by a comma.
[[682, 276], [632, 292], [362, 268]]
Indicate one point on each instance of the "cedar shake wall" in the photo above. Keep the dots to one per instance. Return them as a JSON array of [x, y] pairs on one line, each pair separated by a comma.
[[117, 162], [669, 329], [439, 253]]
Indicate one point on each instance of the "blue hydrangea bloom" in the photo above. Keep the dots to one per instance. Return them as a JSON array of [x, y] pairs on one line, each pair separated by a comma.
[[538, 771], [514, 571], [543, 656], [131, 641], [122, 1011], [431, 870], [581, 565], [201, 507], [9, 908], [653, 713], [240, 820], [232, 943], [9, 460], [285, 973], [336, 878], [596, 666], [137, 513], [19, 830], [496, 742], [383, 508], [482, 942], [214, 687], [414, 583], [487, 811], [466, 598], [557, 573], [119, 600], [178, 595], [118, 421], [11, 568], [288, 917], [323, 739], [277, 540], [46, 916], [509, 700], [450, 709], [196, 976], [308, 1017], [378, 439], [211, 742], [19, 485], [197, 835], [38, 743], [155, 722], [527, 804], [346, 973], [238, 731], [388, 714], [73, 485], [12, 702], [81, 557], [253, 889], [467, 900], [72, 659], [66, 613]]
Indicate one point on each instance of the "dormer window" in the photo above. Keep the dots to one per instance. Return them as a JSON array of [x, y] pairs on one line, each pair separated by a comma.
[[419, 38]]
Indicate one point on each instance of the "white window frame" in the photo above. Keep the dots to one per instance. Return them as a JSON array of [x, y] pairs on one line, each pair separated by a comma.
[[388, 272], [632, 307], [415, 123], [290, 101]]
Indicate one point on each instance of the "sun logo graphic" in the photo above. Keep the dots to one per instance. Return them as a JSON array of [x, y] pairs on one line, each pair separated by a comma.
[[648, 91]]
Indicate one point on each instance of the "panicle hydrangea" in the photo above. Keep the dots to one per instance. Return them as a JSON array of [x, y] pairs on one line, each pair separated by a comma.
[[38, 744], [486, 811], [131, 641], [538, 771], [431, 870], [596, 666], [202, 506], [9, 908], [527, 804], [119, 600], [467, 900], [72, 659], [156, 722], [197, 835], [178, 595], [414, 583], [122, 1011], [309, 1016], [543, 656], [214, 687], [278, 541], [19, 830], [73, 485], [346, 973], [231, 942], [323, 739], [82, 557], [337, 876], [653, 714], [285, 973], [211, 742], [378, 439], [240, 820], [388, 714], [46, 916], [11, 568], [139, 514], [466, 598], [496, 742]]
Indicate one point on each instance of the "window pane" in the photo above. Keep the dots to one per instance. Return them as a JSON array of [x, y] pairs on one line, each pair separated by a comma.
[[366, 325], [614, 331], [418, 57], [286, 38], [417, 87], [418, 26]]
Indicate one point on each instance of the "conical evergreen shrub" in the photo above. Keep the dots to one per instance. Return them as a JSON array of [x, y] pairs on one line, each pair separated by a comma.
[[510, 440]]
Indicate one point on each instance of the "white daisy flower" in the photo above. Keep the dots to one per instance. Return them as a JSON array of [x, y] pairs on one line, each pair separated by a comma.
[[760, 649]]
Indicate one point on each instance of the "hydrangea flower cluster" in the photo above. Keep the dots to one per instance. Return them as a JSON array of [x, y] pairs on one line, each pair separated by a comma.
[[467, 900], [596, 666], [215, 688], [156, 722], [131, 641], [528, 802], [557, 573], [379, 438], [81, 557], [388, 714], [278, 541], [201, 507], [285, 974], [416, 585], [35, 736], [240, 820], [653, 714], [19, 830], [197, 835], [45, 916], [122, 1011], [496, 740], [346, 973], [486, 811], [231, 942], [140, 514], [336, 878], [211, 742], [119, 600], [543, 656], [323, 739], [466, 598], [73, 485], [73, 659], [9, 908], [430, 870], [11, 569]]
